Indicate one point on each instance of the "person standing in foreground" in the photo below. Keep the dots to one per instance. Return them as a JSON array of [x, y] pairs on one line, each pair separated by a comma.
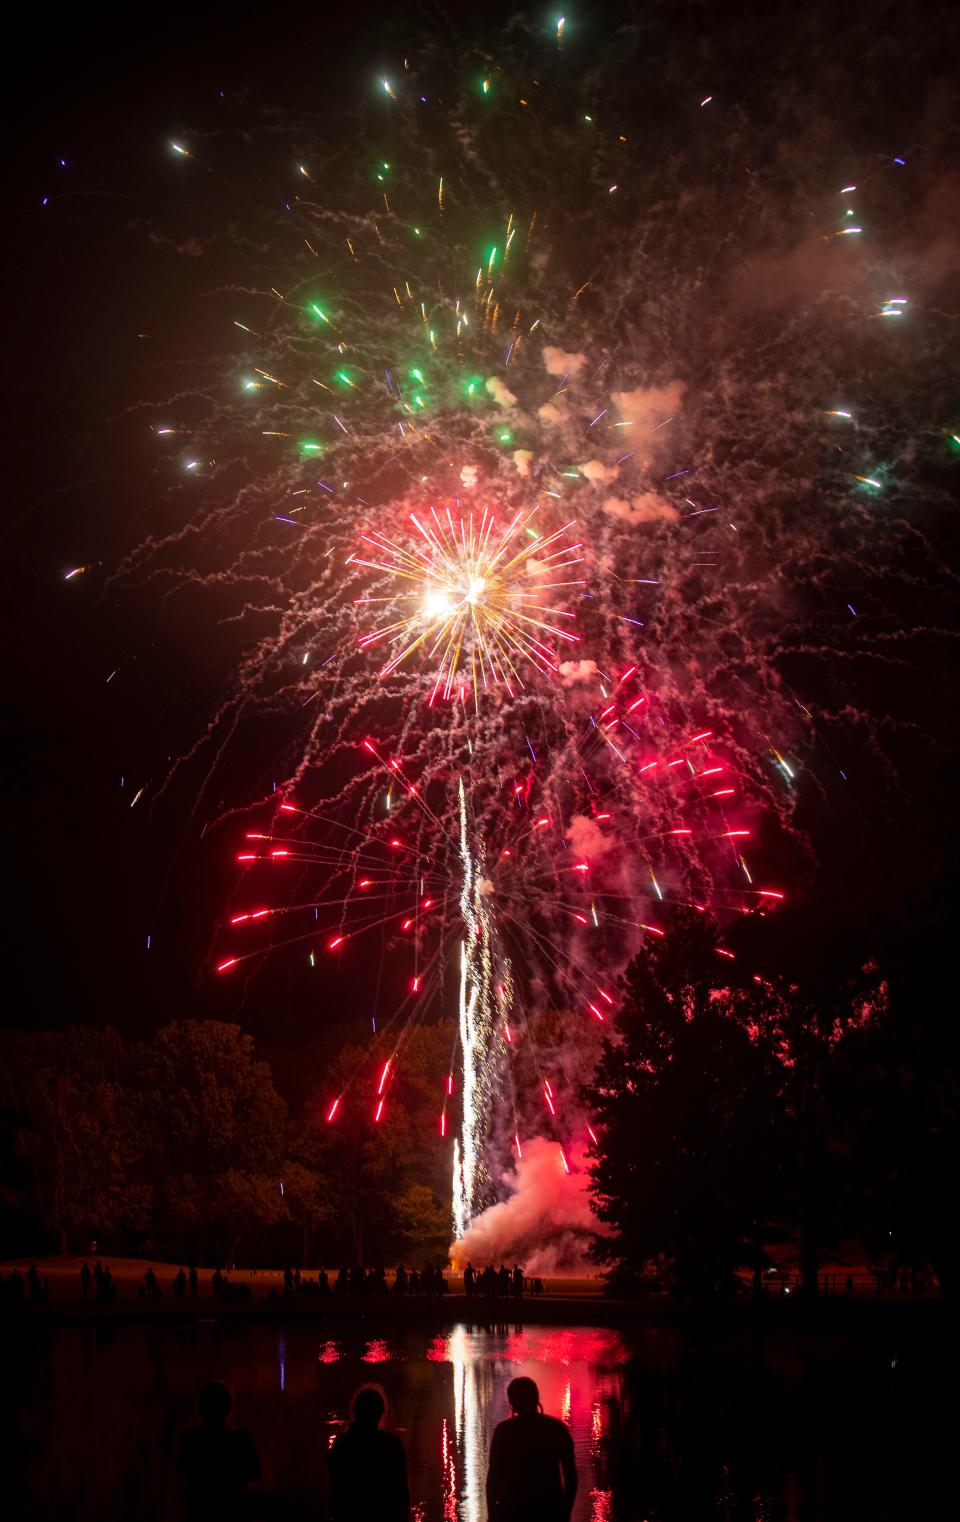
[[368, 1467], [217, 1462], [532, 1476]]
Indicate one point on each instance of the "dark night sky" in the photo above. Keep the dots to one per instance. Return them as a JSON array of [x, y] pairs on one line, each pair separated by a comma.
[[87, 878]]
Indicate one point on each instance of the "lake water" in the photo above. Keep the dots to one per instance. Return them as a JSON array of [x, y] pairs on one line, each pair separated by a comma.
[[665, 1428]]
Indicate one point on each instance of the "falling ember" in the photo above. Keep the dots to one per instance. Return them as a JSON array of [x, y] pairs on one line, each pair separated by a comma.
[[384, 1075], [563, 1159], [230, 962], [378, 1114], [332, 1112]]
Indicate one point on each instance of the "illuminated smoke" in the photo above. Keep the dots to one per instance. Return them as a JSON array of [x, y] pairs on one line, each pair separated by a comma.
[[546, 1222]]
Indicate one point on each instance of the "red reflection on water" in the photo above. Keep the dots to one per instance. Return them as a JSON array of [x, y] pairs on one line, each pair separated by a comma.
[[329, 1353], [448, 1469], [437, 1350], [596, 1425], [601, 1506], [563, 1345], [377, 1351]]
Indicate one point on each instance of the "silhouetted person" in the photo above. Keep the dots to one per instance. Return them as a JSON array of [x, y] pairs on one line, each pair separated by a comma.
[[368, 1467], [468, 1281], [217, 1462], [85, 1277], [518, 1282], [194, 1278], [532, 1476]]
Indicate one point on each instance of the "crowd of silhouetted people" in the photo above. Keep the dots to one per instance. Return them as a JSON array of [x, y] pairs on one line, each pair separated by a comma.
[[427, 1283], [531, 1474], [498, 1283], [21, 1289]]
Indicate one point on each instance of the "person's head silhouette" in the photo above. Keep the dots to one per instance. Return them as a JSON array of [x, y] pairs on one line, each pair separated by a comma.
[[524, 1397], [369, 1406], [214, 1403]]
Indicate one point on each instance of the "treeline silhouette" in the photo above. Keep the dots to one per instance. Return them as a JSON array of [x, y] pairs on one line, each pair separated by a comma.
[[778, 1080], [772, 1081], [182, 1147]]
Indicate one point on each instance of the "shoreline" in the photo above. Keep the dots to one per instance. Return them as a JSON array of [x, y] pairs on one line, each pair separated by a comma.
[[256, 1296], [834, 1316]]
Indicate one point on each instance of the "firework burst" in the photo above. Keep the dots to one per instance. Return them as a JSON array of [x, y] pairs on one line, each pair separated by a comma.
[[478, 593], [511, 314]]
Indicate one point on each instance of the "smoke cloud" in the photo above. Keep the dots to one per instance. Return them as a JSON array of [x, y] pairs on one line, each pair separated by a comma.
[[647, 508], [595, 470], [587, 838], [572, 672], [553, 414], [649, 406], [560, 363], [501, 394], [547, 1224]]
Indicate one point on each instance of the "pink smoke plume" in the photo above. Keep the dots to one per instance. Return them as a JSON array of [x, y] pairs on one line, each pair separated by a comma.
[[547, 1224]]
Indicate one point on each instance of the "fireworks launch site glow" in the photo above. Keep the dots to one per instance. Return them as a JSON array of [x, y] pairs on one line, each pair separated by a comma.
[[521, 523]]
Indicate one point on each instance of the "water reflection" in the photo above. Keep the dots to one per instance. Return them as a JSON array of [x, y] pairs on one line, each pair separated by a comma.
[[781, 1428], [573, 1367]]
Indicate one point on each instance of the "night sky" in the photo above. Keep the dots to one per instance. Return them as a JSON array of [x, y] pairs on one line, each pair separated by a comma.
[[108, 258]]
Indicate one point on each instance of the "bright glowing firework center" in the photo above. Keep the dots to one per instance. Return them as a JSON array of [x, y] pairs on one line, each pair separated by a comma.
[[478, 598]]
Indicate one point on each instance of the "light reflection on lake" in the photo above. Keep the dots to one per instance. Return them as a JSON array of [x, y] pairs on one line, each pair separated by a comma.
[[762, 1428]]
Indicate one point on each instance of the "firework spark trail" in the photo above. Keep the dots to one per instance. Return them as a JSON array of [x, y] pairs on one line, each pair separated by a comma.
[[477, 1021]]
